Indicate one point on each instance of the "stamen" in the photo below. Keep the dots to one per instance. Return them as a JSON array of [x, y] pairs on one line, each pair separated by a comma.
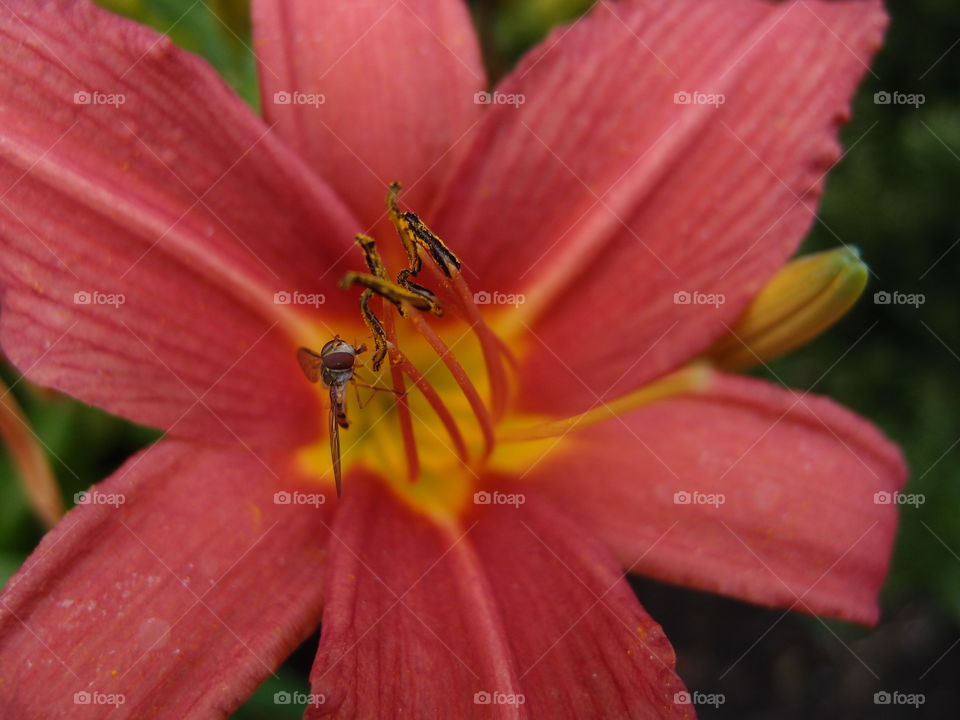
[[461, 378], [437, 404], [403, 409], [493, 348], [490, 345], [414, 234], [506, 353], [390, 291]]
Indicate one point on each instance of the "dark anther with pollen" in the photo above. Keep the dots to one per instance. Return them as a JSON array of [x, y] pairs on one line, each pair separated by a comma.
[[414, 234], [378, 281], [404, 281], [404, 293], [372, 257], [388, 290], [440, 253]]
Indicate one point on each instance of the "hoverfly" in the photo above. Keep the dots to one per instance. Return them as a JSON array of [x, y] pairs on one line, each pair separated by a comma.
[[334, 366]]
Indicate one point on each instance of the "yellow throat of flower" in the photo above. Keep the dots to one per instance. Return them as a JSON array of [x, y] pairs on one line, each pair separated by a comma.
[[441, 418]]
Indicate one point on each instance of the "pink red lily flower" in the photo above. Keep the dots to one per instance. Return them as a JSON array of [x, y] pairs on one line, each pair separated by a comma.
[[165, 251]]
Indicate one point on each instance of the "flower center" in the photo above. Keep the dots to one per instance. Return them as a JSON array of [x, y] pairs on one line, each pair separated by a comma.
[[429, 396]]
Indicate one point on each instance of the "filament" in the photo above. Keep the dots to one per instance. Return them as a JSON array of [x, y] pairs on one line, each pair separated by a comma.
[[461, 378], [399, 387], [436, 403]]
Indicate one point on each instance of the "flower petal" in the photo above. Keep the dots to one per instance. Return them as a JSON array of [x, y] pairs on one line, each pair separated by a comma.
[[788, 511], [181, 599], [386, 90], [515, 613], [131, 176], [648, 196]]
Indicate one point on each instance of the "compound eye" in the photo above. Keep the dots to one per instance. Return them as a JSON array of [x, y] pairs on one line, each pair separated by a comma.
[[331, 345], [338, 360]]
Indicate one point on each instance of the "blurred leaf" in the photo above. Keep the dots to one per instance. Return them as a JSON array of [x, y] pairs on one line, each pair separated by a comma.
[[218, 30], [262, 704], [508, 28], [9, 564]]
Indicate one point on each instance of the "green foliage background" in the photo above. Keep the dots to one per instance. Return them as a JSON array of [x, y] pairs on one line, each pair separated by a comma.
[[894, 195]]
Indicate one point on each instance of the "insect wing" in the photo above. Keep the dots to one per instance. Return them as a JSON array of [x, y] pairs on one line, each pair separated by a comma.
[[310, 362]]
